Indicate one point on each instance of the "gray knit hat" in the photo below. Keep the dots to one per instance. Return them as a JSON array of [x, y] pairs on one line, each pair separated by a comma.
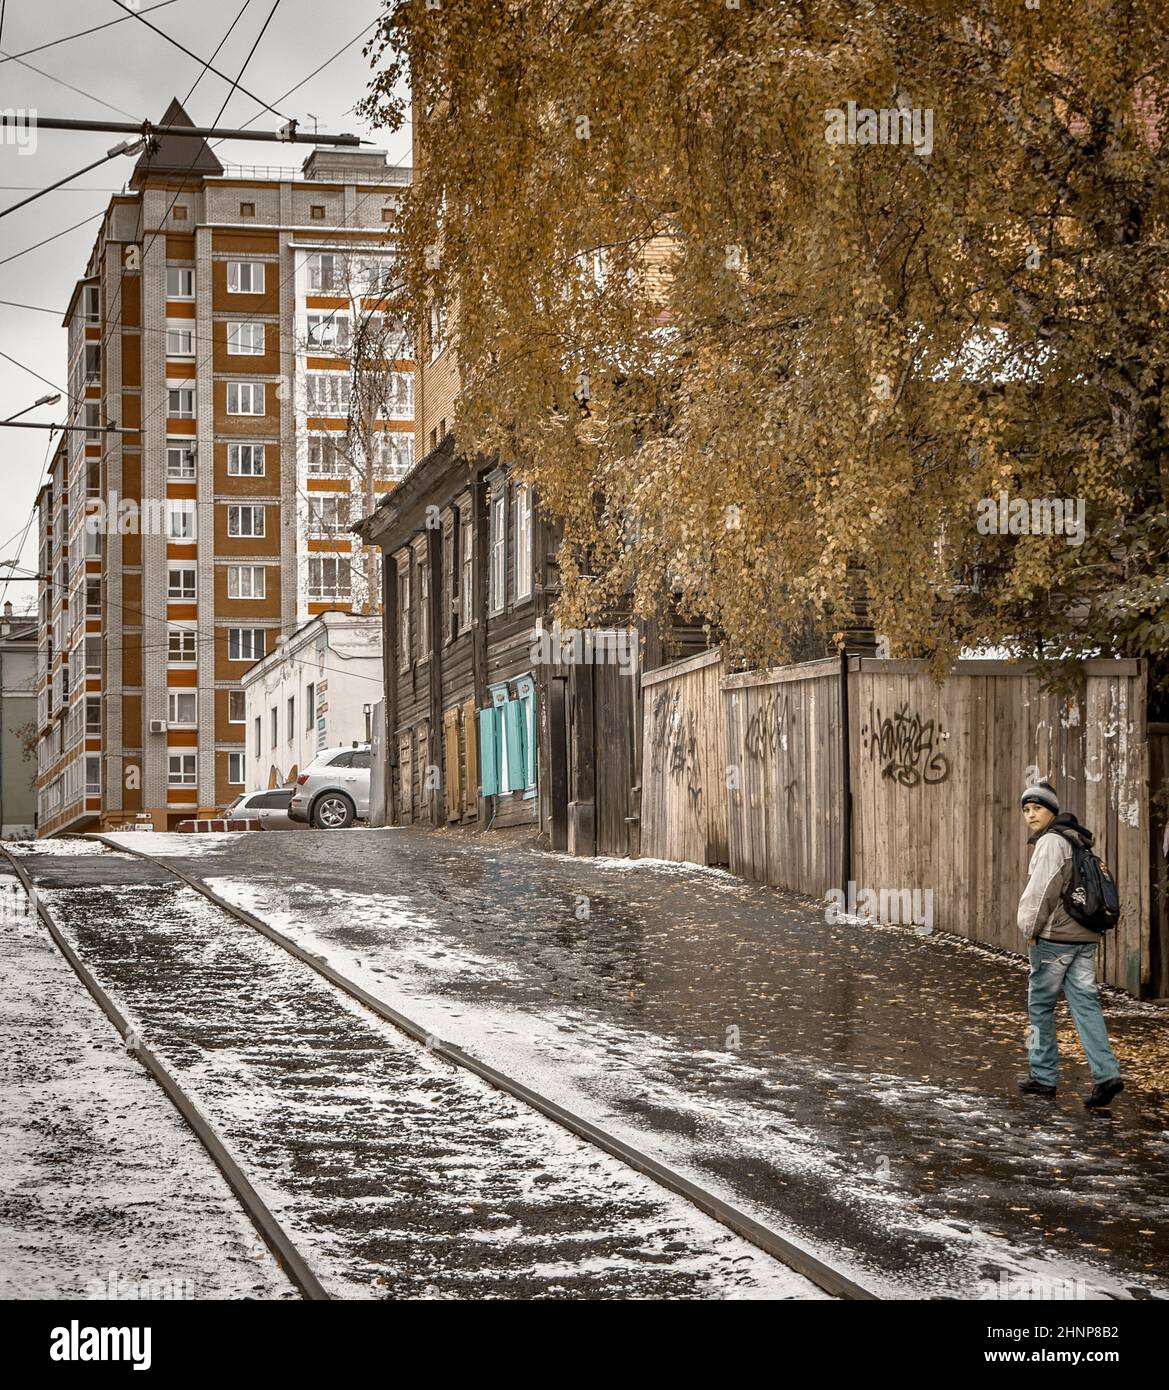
[[1043, 794]]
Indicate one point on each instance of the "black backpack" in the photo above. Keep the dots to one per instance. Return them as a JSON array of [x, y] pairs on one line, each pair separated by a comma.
[[1090, 897]]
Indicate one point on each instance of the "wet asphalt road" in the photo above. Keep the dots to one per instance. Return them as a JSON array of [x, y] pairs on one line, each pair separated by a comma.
[[854, 1086], [397, 1175]]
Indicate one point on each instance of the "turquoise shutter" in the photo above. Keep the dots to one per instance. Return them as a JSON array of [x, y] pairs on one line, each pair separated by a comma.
[[488, 754], [514, 732]]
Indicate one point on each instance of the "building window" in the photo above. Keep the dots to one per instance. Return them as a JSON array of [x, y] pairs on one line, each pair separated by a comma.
[[394, 456], [93, 598], [389, 213], [245, 460], [310, 706], [235, 769], [466, 537], [523, 541], [317, 212], [180, 582], [245, 643], [93, 421], [93, 304], [328, 576], [259, 749], [245, 338], [180, 519], [326, 273], [181, 644], [180, 283], [328, 393], [180, 459], [92, 716], [93, 655], [236, 707], [179, 213], [272, 720], [247, 209], [330, 332], [326, 455], [437, 329], [423, 587], [497, 575], [291, 717], [180, 707], [180, 403], [245, 277], [180, 342], [245, 581], [245, 398], [93, 775], [181, 769], [405, 637], [328, 513], [245, 521]]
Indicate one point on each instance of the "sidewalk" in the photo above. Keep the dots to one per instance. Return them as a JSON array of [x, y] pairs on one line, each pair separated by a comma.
[[851, 1086]]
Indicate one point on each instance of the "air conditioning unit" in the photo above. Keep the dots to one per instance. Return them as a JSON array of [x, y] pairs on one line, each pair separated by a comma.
[[158, 726]]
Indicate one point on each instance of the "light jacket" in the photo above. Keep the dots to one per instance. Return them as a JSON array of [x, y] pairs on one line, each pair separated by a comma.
[[1041, 911]]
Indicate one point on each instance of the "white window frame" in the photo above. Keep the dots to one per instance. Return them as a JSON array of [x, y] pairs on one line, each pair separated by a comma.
[[328, 331], [237, 763], [523, 541], [236, 277], [183, 597], [319, 587], [183, 275], [179, 650], [422, 565], [242, 706], [236, 585], [251, 650], [177, 405], [245, 338], [332, 463], [184, 447], [235, 515], [180, 338], [180, 519], [176, 702], [255, 395], [497, 553], [254, 453], [183, 778]]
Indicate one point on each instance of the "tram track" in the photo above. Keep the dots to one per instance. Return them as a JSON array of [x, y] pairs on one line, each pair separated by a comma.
[[644, 1269]]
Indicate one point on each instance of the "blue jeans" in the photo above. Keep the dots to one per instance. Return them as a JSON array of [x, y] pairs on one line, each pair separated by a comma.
[[1070, 966]]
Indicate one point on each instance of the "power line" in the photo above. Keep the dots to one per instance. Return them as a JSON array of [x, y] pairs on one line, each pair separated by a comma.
[[68, 38], [40, 72], [45, 240], [117, 151], [206, 64]]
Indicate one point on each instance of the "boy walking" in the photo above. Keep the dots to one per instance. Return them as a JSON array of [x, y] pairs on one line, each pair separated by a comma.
[[1062, 954]]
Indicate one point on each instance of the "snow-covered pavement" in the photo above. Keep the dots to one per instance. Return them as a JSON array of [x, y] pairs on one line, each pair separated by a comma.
[[395, 1174], [851, 1087], [105, 1192]]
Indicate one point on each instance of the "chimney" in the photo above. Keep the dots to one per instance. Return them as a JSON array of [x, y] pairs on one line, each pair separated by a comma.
[[7, 623]]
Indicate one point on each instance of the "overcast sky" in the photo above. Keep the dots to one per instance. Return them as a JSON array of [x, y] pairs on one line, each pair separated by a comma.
[[125, 72]]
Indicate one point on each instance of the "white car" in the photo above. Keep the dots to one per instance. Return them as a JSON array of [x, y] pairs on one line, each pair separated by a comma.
[[268, 807], [333, 791]]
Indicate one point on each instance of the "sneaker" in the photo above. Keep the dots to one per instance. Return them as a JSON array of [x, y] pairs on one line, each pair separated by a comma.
[[1103, 1092], [1031, 1087]]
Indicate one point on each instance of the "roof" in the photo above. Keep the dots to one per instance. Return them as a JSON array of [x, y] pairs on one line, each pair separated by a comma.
[[188, 155]]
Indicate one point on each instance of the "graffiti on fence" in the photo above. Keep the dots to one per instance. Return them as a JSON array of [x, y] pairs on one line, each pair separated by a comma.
[[675, 732], [903, 743], [767, 727]]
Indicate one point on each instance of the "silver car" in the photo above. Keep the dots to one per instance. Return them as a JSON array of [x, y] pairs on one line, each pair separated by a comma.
[[268, 807], [333, 791]]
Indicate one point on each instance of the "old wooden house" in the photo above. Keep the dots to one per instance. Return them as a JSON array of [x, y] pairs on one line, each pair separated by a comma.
[[493, 716]]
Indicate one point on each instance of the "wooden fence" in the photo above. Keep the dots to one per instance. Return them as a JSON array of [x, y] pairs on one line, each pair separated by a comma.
[[683, 779], [917, 793]]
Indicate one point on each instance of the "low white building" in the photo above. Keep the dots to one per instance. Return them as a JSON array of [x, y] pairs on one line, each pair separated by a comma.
[[316, 690]]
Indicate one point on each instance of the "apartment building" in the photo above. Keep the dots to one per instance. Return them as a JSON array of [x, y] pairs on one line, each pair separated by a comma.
[[239, 396]]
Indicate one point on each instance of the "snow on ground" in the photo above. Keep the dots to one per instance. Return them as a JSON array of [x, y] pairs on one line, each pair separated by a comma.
[[377, 1156], [106, 1192]]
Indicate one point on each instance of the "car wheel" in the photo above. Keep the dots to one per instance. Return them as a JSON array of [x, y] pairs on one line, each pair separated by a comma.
[[332, 811]]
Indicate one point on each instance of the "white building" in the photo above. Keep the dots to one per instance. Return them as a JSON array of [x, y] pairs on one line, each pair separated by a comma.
[[316, 690]]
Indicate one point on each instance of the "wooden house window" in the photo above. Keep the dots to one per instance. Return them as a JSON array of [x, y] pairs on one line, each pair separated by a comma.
[[423, 587], [497, 574], [523, 541], [404, 633]]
